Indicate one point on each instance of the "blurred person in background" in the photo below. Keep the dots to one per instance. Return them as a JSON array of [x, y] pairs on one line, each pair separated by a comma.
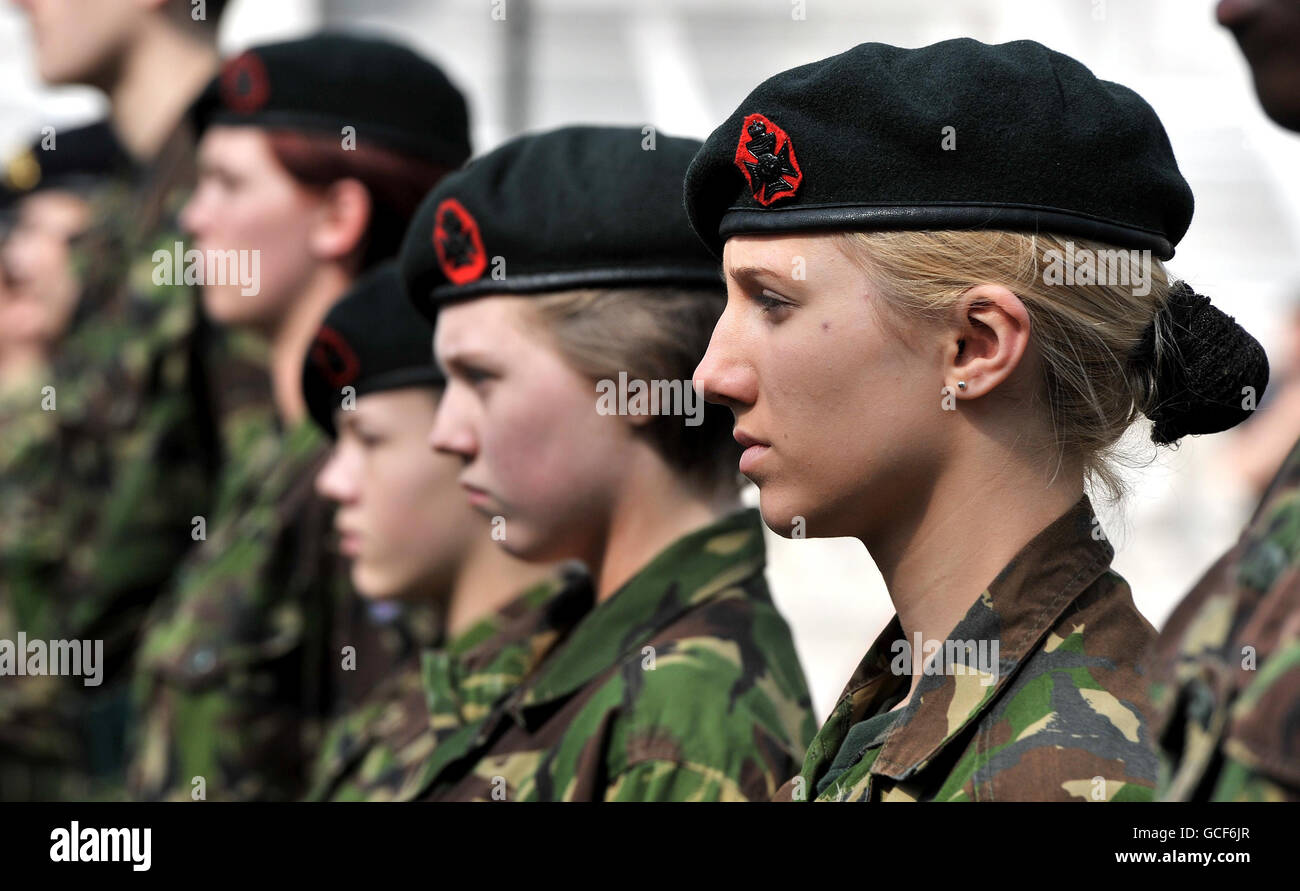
[[371, 385], [908, 366], [46, 199], [1266, 439], [310, 164], [682, 682], [124, 442], [1226, 667]]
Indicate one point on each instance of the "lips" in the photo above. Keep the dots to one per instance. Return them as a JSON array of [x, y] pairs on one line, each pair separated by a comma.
[[1232, 13], [477, 497], [349, 542], [755, 449]]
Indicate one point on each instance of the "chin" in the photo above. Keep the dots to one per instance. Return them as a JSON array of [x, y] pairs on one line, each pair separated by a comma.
[[373, 586], [226, 306]]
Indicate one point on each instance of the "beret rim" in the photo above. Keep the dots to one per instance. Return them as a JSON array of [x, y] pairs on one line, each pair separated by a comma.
[[396, 379], [617, 276], [972, 215]]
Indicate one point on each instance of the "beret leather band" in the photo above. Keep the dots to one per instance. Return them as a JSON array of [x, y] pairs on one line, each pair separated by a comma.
[[739, 220], [709, 276]]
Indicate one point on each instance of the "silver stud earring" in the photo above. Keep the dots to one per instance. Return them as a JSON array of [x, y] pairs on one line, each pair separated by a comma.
[[961, 385]]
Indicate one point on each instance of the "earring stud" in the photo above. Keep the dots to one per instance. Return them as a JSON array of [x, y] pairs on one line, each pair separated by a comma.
[[961, 385]]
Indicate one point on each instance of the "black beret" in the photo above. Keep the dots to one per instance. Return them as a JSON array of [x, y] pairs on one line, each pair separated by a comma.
[[395, 98], [857, 142], [80, 158], [371, 340], [577, 207]]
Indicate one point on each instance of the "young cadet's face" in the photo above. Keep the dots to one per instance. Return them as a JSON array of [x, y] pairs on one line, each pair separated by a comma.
[[79, 41], [536, 452], [848, 413], [36, 256], [246, 201], [401, 518]]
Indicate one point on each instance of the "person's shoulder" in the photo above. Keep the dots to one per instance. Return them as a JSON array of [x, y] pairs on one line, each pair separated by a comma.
[[1075, 721]]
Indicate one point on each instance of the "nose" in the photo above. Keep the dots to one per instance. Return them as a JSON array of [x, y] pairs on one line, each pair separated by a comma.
[[453, 431], [337, 480], [194, 215], [724, 375]]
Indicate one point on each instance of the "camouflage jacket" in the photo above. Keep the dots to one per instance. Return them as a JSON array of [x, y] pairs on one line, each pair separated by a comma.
[[1226, 667], [1057, 713], [379, 751], [683, 685], [245, 659], [111, 456]]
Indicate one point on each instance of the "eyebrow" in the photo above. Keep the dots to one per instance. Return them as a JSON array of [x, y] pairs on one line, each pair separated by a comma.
[[754, 272]]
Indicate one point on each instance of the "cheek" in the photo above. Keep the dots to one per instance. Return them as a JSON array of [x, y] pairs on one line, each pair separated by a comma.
[[549, 446], [278, 231]]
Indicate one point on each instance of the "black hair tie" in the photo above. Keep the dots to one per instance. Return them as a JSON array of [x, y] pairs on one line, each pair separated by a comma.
[[1201, 383]]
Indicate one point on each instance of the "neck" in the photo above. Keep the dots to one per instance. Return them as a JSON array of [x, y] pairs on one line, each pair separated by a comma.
[[653, 510], [293, 336], [20, 365], [156, 81], [937, 557], [488, 579]]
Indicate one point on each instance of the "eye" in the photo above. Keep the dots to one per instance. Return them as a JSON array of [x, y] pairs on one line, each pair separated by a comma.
[[769, 304]]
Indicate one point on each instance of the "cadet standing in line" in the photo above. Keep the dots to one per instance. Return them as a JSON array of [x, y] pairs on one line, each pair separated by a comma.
[[128, 444], [1226, 667], [46, 197], [370, 384], [310, 166], [560, 269], [911, 364]]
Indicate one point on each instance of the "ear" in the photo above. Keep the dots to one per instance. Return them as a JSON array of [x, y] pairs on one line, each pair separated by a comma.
[[987, 343], [341, 220]]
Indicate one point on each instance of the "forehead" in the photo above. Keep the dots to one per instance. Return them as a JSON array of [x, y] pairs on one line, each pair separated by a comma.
[[244, 145], [781, 255], [485, 324]]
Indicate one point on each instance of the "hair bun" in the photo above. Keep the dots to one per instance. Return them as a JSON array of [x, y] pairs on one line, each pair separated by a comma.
[[1201, 379]]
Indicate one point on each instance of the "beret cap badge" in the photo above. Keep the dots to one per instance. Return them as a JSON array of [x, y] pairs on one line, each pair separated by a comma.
[[245, 85], [765, 155], [458, 242], [334, 358]]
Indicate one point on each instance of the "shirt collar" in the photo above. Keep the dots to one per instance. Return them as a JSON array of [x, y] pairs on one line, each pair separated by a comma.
[[1017, 610], [703, 563]]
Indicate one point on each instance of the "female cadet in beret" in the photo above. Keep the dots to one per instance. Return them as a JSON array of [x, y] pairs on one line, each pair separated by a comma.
[[371, 384], [309, 169], [943, 312], [682, 682]]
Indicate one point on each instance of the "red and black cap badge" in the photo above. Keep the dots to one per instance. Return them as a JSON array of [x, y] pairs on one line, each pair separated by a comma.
[[458, 242], [765, 155], [245, 85], [334, 358]]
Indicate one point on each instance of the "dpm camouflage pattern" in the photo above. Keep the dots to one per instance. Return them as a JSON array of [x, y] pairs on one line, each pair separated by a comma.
[[378, 752], [98, 493], [1226, 667], [683, 685], [243, 662], [1064, 717]]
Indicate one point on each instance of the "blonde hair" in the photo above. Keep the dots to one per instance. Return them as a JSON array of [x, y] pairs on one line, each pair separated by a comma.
[[651, 333], [1088, 337]]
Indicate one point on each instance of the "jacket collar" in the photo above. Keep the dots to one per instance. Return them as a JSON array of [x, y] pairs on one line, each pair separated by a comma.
[[693, 570], [1017, 610]]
